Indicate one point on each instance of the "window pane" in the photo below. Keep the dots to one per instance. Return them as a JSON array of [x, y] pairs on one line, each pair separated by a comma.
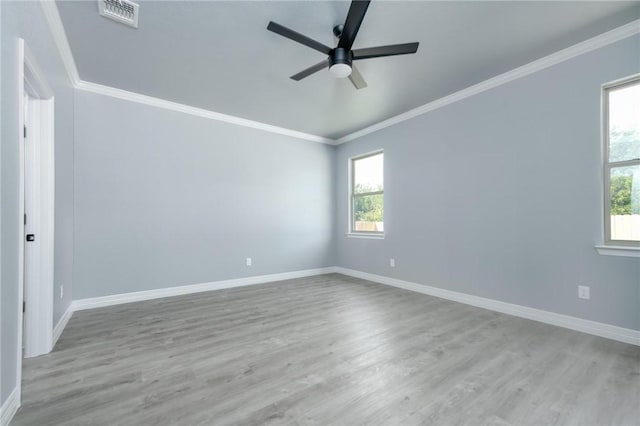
[[368, 174], [368, 213], [624, 123], [624, 194]]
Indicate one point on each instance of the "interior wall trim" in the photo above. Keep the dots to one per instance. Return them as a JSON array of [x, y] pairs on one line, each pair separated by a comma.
[[57, 29], [52, 16], [62, 323], [117, 299], [10, 407], [198, 112], [570, 52], [60, 37], [621, 334], [608, 331]]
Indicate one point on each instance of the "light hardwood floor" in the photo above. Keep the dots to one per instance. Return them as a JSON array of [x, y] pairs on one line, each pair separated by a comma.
[[325, 350]]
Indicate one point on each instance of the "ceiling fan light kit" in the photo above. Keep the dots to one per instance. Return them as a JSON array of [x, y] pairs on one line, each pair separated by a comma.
[[340, 59], [340, 62]]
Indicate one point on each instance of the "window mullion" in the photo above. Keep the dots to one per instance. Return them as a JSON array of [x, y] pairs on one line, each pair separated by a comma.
[[626, 163], [369, 193]]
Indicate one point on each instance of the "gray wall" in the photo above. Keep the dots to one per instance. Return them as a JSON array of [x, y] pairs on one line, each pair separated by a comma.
[[499, 195], [166, 199], [26, 20]]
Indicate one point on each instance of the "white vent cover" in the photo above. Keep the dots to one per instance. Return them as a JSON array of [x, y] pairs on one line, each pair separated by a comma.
[[123, 11]]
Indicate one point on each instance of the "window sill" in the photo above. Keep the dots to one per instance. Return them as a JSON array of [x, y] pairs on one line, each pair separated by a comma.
[[364, 235], [627, 251]]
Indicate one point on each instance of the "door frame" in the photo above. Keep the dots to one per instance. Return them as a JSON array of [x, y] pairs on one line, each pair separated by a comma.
[[38, 318]]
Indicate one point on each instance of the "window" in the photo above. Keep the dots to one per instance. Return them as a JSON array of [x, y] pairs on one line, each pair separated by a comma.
[[622, 162], [367, 194]]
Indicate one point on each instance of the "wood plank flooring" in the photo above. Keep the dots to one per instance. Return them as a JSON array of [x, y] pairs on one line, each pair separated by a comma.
[[325, 350]]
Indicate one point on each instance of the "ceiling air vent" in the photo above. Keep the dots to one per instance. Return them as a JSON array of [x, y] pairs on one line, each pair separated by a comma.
[[123, 11]]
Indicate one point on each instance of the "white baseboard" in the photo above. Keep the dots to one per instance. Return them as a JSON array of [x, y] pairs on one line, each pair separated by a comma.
[[621, 334], [10, 407], [116, 299], [62, 323]]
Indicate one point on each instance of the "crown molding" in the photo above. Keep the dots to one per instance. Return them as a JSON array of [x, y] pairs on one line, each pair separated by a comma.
[[57, 29], [52, 16], [60, 38], [199, 112], [586, 46]]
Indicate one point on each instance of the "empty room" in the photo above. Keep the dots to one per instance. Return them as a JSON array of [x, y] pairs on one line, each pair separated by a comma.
[[319, 212]]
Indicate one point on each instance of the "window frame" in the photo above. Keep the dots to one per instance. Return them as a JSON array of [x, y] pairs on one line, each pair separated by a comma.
[[353, 195], [609, 165]]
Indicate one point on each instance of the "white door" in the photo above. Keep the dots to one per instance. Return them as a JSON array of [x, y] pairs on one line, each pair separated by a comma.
[[31, 217]]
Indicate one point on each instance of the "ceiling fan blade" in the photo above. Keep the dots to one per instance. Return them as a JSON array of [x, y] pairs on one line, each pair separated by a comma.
[[351, 26], [312, 69], [391, 50], [356, 79], [296, 36]]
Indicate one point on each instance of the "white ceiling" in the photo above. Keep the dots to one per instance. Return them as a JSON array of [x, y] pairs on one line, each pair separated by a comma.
[[219, 55]]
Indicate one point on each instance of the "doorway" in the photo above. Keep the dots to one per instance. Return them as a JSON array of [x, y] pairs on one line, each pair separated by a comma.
[[36, 218]]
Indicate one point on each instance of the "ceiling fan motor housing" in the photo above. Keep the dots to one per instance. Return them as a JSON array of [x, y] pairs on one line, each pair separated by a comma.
[[340, 61], [340, 56]]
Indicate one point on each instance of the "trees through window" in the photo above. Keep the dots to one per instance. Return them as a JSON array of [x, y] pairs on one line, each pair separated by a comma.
[[367, 194], [622, 162]]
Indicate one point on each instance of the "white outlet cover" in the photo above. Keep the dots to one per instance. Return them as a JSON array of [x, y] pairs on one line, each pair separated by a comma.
[[392, 263], [584, 292], [248, 261]]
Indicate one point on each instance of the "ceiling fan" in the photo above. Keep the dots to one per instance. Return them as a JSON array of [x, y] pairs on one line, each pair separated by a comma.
[[340, 59]]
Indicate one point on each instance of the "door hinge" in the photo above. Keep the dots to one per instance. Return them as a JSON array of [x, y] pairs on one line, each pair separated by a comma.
[[25, 218], [24, 306], [25, 132]]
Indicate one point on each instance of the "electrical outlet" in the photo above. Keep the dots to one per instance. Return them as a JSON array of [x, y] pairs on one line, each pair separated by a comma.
[[392, 262], [248, 261], [61, 291], [584, 292]]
